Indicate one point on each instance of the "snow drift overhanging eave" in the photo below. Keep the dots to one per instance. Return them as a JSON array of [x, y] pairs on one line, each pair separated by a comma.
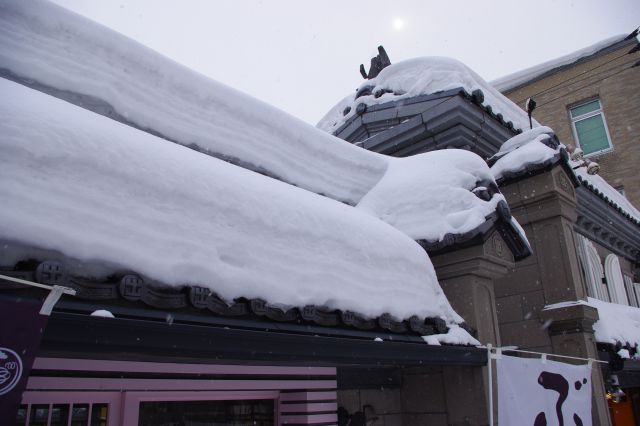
[[118, 199], [500, 221]]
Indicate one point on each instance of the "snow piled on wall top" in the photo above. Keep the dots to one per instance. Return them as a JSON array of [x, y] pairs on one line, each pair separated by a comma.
[[97, 190], [616, 323], [520, 77], [423, 76]]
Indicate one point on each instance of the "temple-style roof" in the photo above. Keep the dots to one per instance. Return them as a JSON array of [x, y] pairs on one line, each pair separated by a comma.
[[419, 77]]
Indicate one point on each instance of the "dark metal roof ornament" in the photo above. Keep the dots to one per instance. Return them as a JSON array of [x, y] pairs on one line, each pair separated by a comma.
[[530, 105], [378, 63]]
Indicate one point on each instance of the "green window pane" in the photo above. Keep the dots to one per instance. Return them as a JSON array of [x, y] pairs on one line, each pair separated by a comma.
[[583, 109], [592, 135]]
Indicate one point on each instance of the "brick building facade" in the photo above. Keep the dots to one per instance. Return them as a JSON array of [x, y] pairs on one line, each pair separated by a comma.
[[607, 75]]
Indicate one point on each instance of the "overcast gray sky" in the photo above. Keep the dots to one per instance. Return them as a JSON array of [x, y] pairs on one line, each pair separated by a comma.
[[303, 56]]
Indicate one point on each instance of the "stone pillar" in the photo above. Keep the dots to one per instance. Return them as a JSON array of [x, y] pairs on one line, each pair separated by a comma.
[[545, 205], [571, 331], [467, 278]]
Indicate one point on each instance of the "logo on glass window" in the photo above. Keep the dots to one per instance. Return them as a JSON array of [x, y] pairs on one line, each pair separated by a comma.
[[10, 370]]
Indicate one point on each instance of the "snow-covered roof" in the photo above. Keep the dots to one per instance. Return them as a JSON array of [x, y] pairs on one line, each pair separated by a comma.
[[597, 184], [518, 78], [58, 52], [99, 191], [55, 50], [530, 149], [617, 323], [538, 148], [422, 76], [430, 195]]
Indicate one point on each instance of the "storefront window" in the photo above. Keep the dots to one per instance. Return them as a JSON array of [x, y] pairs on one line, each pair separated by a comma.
[[39, 415], [99, 414], [79, 414], [220, 413], [60, 413], [21, 417]]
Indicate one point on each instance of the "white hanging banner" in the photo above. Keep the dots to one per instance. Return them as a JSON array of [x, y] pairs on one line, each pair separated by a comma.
[[539, 392]]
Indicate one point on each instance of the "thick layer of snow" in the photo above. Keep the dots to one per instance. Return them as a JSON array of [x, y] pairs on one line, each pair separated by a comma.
[[54, 47], [609, 191], [45, 43], [445, 204], [422, 76], [95, 189], [523, 150], [617, 323], [520, 77]]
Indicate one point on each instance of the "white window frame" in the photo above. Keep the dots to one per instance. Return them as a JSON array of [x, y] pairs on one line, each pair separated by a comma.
[[615, 280], [631, 290], [593, 271], [600, 112]]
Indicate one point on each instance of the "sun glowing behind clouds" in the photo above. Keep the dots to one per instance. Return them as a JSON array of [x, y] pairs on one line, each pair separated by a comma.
[[398, 24]]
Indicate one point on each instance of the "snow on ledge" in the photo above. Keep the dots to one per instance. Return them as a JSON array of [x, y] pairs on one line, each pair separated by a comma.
[[423, 76], [103, 313], [97, 190], [617, 323], [455, 336]]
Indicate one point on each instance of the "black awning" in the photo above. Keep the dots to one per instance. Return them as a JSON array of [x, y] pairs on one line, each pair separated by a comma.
[[73, 335]]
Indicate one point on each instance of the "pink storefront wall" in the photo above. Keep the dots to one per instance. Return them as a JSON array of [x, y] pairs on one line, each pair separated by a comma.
[[297, 401]]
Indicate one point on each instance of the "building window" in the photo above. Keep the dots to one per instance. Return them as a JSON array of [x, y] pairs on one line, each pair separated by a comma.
[[590, 128], [246, 412]]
